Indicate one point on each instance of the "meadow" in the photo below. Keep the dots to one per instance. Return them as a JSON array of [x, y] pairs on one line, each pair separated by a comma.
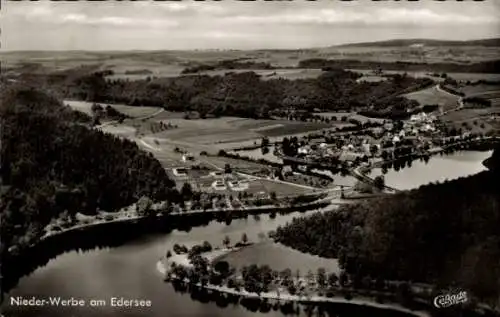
[[232, 129], [280, 257], [484, 91], [434, 96]]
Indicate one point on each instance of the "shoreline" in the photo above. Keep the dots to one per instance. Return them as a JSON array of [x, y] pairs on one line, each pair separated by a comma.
[[264, 209], [273, 295], [361, 171]]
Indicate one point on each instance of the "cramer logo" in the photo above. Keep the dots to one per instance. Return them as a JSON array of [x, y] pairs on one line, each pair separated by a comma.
[[447, 300]]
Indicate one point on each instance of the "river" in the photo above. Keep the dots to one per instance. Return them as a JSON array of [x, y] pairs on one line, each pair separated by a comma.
[[129, 270]]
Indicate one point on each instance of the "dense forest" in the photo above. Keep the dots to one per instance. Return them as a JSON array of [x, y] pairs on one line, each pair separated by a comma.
[[440, 233], [488, 67], [53, 164], [241, 94]]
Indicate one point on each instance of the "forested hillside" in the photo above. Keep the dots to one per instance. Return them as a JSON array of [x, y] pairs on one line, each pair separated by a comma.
[[445, 234], [53, 162], [488, 67], [242, 94]]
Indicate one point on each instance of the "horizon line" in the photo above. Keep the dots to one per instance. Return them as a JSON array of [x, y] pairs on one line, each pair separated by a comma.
[[5, 50]]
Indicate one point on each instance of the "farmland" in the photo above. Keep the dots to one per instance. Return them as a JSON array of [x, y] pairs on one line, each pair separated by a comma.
[[340, 122], [477, 120], [202, 131], [232, 129], [483, 91]]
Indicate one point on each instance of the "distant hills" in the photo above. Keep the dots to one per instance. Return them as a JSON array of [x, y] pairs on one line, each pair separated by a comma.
[[425, 42]]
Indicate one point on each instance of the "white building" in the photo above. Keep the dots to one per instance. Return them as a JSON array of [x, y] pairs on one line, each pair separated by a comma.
[[187, 157]]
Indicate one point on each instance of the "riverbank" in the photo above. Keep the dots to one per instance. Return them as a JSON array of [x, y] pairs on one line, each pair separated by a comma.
[[23, 260], [126, 216], [163, 266], [362, 172]]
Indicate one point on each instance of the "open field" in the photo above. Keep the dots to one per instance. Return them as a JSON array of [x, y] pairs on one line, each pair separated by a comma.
[[348, 115], [488, 92], [171, 63], [434, 96], [475, 90], [238, 165], [470, 114], [204, 131], [371, 78], [231, 129], [267, 74], [279, 257], [478, 120], [368, 73]]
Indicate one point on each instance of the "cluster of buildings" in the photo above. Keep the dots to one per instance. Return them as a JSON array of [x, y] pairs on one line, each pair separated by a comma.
[[420, 128]]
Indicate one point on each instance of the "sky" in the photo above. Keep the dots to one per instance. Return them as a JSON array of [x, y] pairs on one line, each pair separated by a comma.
[[231, 24]]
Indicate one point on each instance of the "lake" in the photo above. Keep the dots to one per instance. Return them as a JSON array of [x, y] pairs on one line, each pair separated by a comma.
[[437, 169], [129, 270]]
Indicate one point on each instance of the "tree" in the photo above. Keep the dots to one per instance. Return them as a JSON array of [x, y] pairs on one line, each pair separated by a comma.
[[222, 267], [226, 241], [207, 247], [332, 279], [187, 191], [272, 195], [343, 279], [379, 182], [321, 277], [227, 169], [310, 276], [264, 142], [169, 254], [286, 274], [143, 206], [244, 238]]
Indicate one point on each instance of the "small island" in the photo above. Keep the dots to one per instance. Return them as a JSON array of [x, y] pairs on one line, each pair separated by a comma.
[[211, 269]]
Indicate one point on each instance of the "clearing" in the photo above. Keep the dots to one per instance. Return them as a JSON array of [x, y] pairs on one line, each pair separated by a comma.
[[279, 257], [434, 96]]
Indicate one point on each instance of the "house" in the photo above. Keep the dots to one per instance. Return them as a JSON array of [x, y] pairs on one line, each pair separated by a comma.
[[302, 150], [180, 172], [219, 185], [187, 157], [286, 170], [427, 127], [388, 126], [419, 117]]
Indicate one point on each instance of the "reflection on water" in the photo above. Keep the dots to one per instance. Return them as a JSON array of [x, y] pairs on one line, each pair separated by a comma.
[[129, 270], [437, 169]]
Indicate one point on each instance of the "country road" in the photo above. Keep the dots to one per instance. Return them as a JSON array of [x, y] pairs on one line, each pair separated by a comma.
[[459, 102]]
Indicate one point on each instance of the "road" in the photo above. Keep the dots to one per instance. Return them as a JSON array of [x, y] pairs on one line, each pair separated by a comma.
[[460, 101]]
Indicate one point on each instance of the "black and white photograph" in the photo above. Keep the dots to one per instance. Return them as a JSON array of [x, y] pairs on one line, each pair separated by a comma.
[[250, 158]]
